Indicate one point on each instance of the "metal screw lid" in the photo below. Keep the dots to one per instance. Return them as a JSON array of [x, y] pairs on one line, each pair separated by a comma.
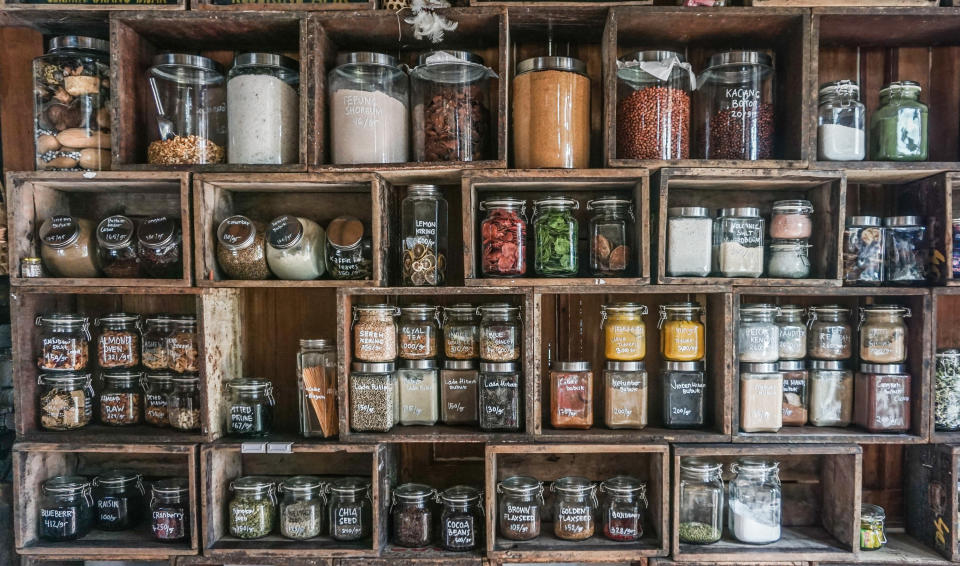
[[683, 366], [903, 221], [688, 211], [885, 369], [835, 365], [625, 366], [79, 42], [864, 221], [418, 364], [367, 58], [459, 364], [459, 54], [558, 365], [265, 60], [791, 365], [739, 58], [759, 367], [195, 62], [373, 367], [236, 232], [115, 232], [740, 212], [552, 63]]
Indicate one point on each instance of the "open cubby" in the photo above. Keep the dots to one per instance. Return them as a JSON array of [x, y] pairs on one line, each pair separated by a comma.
[[450, 191], [930, 485], [946, 335]]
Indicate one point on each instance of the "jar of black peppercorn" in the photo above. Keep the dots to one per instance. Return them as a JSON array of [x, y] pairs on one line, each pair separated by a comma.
[[412, 515], [159, 247], [118, 499], [117, 248], [65, 509], [350, 509], [461, 522], [248, 409], [170, 509], [519, 507]]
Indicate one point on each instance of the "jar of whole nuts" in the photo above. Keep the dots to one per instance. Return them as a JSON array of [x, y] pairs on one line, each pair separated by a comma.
[[118, 345], [501, 332], [154, 344], [375, 333], [183, 403], [183, 345], [418, 331], [121, 399], [830, 334]]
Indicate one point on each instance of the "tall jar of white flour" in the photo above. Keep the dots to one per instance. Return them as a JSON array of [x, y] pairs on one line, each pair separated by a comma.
[[263, 109]]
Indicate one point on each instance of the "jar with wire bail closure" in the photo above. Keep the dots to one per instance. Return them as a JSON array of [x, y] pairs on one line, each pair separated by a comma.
[[248, 407], [556, 235], [503, 234], [65, 509], [623, 504], [700, 501], [350, 509], [574, 508], [170, 509], [898, 127], [841, 122], [461, 520], [519, 508], [412, 515], [252, 511], [755, 501], [241, 249], [118, 497], [66, 400], [64, 342], [611, 233], [116, 247], [302, 507], [121, 400]]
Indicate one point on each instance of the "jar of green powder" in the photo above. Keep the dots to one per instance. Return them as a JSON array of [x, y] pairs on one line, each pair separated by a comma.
[[898, 128], [252, 512]]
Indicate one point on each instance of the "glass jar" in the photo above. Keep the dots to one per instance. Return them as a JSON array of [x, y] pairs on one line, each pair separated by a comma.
[[423, 225], [419, 392], [653, 105], [121, 401], [375, 333], [682, 332], [756, 501], [841, 122], [459, 392], [503, 234], [571, 398], [170, 509], [574, 508], [183, 403], [156, 388], [153, 350], [906, 250], [946, 407], [883, 334], [374, 397], [500, 396], [183, 345], [611, 233], [368, 106], [118, 497], [738, 244], [263, 109], [623, 503], [689, 241], [761, 397], [68, 247], [296, 248], [64, 342], [302, 507], [349, 249], [65, 509], [32, 267], [624, 331], [829, 334], [189, 122], [66, 400], [863, 252], [241, 249], [898, 127], [796, 383], [882, 398], [350, 509], [418, 332], [831, 393], [412, 515], [872, 534], [736, 105], [625, 395], [461, 520], [684, 392], [793, 333], [758, 336], [248, 408], [451, 109], [789, 259], [501, 332], [252, 511], [519, 508], [700, 502], [71, 113], [116, 247], [551, 114], [556, 232], [317, 383], [118, 346], [159, 241], [461, 332]]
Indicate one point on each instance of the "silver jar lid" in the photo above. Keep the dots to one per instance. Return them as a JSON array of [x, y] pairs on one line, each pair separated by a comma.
[[902, 221], [653, 55], [834, 365], [885, 369], [79, 42], [625, 366], [740, 212], [864, 221], [373, 367], [236, 232], [184, 68], [499, 367], [285, 232], [316, 343], [683, 366], [158, 231], [424, 190], [115, 232], [265, 60], [759, 367], [688, 212], [59, 231], [729, 58], [791, 365], [367, 58], [568, 64], [459, 364], [418, 364], [557, 365], [459, 54]]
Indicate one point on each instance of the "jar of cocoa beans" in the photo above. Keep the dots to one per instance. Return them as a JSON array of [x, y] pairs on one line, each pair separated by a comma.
[[736, 106], [653, 105]]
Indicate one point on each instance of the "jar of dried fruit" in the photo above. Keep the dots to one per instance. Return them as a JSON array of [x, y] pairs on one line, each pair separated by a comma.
[[64, 342], [375, 333], [156, 388], [412, 515], [118, 345], [156, 330], [66, 400], [503, 234], [556, 232], [653, 105], [611, 236], [736, 106], [183, 345], [418, 332], [423, 225], [501, 332], [116, 247], [183, 403]]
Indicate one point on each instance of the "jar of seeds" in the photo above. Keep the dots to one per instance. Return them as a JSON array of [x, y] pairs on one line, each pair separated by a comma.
[[159, 249], [418, 332], [519, 508], [500, 396], [461, 332], [375, 333], [241, 249], [252, 511], [350, 510], [374, 397], [575, 508], [302, 507], [501, 332], [946, 412]]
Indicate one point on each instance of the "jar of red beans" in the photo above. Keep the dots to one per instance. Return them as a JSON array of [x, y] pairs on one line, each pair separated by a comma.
[[653, 105], [503, 236], [622, 507]]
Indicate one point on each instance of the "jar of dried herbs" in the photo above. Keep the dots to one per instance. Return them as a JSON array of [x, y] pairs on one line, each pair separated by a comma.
[[349, 249], [241, 249], [699, 504], [622, 508], [461, 332], [883, 334], [574, 508], [793, 333], [418, 332], [183, 403], [946, 408], [418, 384], [248, 407], [461, 521], [350, 509], [317, 380], [66, 400], [183, 345], [412, 515], [252, 511], [302, 507], [375, 333], [423, 236], [116, 247], [556, 233], [160, 245], [374, 397], [519, 508], [118, 345], [611, 233], [118, 500], [156, 388], [829, 335], [121, 401], [65, 509], [64, 342], [153, 351], [501, 332]]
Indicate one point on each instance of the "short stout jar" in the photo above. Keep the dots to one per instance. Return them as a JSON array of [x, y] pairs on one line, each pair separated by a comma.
[[501, 332], [66, 400], [68, 247], [461, 332], [170, 509], [159, 247], [624, 331], [682, 332], [792, 342], [117, 247], [623, 504], [519, 508], [302, 507], [350, 509], [118, 499], [118, 345], [412, 515], [758, 336], [418, 332], [829, 335], [241, 249], [461, 520], [252, 511], [121, 400], [574, 508], [883, 334], [296, 248], [65, 510], [791, 220], [64, 340], [375, 333], [248, 407]]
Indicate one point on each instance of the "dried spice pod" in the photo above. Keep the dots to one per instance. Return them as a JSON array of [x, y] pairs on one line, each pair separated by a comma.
[[503, 235]]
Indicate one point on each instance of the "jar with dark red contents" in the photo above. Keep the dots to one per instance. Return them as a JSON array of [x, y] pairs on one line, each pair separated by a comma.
[[170, 510], [118, 346], [461, 521], [611, 233], [653, 105], [503, 236], [118, 500], [623, 502], [412, 515], [160, 247], [116, 247], [736, 106]]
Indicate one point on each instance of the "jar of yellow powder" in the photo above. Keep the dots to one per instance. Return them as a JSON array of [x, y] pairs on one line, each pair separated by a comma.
[[624, 332], [681, 332]]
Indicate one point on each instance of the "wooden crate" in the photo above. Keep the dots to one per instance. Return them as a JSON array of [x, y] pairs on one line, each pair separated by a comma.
[[919, 365], [34, 197], [568, 328], [57, 561], [211, 561], [597, 462], [699, 33], [33, 463], [136, 37], [217, 312], [582, 185], [294, 5], [952, 183], [222, 463], [930, 491], [90, 6], [669, 562], [442, 296], [722, 188], [946, 334], [317, 197], [841, 3]]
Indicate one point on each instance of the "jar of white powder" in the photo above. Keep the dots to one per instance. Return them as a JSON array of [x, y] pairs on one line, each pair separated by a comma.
[[296, 248], [841, 122], [263, 109], [738, 242], [368, 109], [689, 241], [789, 259]]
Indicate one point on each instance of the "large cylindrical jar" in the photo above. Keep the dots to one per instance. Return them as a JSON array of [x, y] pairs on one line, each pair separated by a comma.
[[623, 505], [302, 507], [756, 501], [653, 105], [551, 114], [64, 342], [66, 400], [65, 509], [242, 249], [68, 247], [829, 336], [117, 247], [738, 242], [700, 502], [883, 334], [556, 234], [252, 511], [375, 333], [503, 235], [423, 226], [451, 109], [624, 332], [501, 332], [71, 85], [898, 127], [519, 508], [841, 122], [368, 109], [159, 247], [575, 508], [758, 336], [418, 332], [188, 125], [682, 332], [461, 520], [461, 332], [296, 248], [248, 407], [350, 509], [412, 515], [736, 106], [611, 236], [946, 397], [793, 333], [831, 393], [263, 109], [317, 382]]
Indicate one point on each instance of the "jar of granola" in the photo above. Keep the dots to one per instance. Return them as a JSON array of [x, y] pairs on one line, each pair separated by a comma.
[[153, 352], [183, 345], [118, 345], [375, 333], [501, 332]]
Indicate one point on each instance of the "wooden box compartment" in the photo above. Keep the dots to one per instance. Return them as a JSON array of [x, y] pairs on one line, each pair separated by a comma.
[[221, 464], [919, 364], [597, 462], [218, 326], [569, 328], [34, 463], [34, 197], [482, 31], [56, 561], [135, 38], [781, 32], [821, 503], [669, 562], [318, 197], [946, 334], [952, 183], [724, 188], [930, 497], [582, 185], [440, 296], [292, 5], [80, 7], [239, 561]]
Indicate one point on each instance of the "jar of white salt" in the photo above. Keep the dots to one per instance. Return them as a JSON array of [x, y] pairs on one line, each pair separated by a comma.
[[263, 109], [368, 109], [738, 242], [689, 241], [841, 122], [756, 501]]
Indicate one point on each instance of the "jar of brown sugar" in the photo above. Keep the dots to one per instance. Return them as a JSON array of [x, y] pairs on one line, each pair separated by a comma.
[[375, 333], [418, 332], [883, 334], [118, 345], [830, 334], [68, 247]]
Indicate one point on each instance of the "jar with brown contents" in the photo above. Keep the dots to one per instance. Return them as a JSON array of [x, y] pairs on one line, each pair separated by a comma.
[[68, 247], [375, 333], [156, 388], [121, 401], [461, 333], [160, 243], [418, 331], [116, 247], [66, 400], [183, 345], [883, 334], [118, 345], [241, 249], [653, 111], [830, 334], [574, 508], [154, 344], [501, 332], [64, 342], [519, 508]]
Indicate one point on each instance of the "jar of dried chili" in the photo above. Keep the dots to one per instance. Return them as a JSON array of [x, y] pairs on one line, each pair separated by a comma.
[[503, 233]]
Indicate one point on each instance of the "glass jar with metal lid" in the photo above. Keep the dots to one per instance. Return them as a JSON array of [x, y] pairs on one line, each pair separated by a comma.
[[738, 242], [156, 388], [689, 241], [302, 507], [461, 520], [374, 397], [68, 247], [736, 105], [946, 396], [350, 509], [412, 515], [368, 109], [252, 511], [793, 333], [153, 350], [503, 234], [418, 381], [459, 392], [551, 114], [653, 105], [906, 250], [159, 244], [183, 345], [66, 400], [611, 236], [64, 342], [65, 510], [791, 220], [451, 108], [898, 127], [241, 249], [831, 393], [263, 109], [248, 407], [758, 336], [189, 123], [501, 332], [829, 335], [755, 501], [872, 534], [418, 332], [121, 401], [882, 397], [317, 382], [683, 389], [519, 507], [375, 332], [116, 247], [118, 497], [500, 395], [296, 248], [575, 508], [349, 249], [423, 237], [625, 335], [118, 345], [625, 395], [170, 509], [556, 233], [883, 334], [571, 394], [796, 386], [841, 122], [863, 252], [461, 332], [623, 504], [682, 332], [761, 397], [789, 259], [183, 403], [700, 501]]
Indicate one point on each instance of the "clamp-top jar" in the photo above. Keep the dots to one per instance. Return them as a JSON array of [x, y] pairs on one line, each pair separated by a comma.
[[65, 509], [519, 508], [653, 105], [841, 122], [611, 236], [898, 127], [66, 400], [350, 509], [302, 507], [412, 515], [504, 237], [829, 336], [682, 332], [625, 334], [461, 521], [248, 407], [419, 332], [461, 332], [375, 333], [501, 332], [574, 508], [252, 512], [118, 346], [700, 503], [121, 400], [263, 109], [883, 334], [756, 501], [118, 497], [170, 509], [736, 102], [64, 342], [556, 234], [622, 508]]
